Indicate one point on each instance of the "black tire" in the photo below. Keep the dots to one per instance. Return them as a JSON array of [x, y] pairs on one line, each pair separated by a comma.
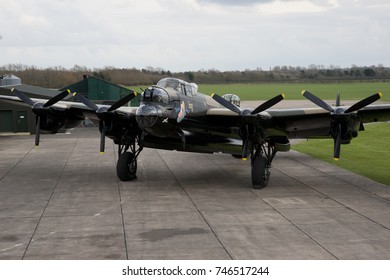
[[126, 167], [259, 178]]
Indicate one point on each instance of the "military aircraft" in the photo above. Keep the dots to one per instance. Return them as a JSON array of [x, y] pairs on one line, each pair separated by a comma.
[[173, 115]]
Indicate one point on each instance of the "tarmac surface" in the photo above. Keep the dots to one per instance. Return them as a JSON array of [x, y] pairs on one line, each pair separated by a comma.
[[64, 201]]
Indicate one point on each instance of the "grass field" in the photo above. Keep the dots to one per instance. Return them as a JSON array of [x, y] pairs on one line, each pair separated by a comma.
[[348, 91], [368, 154]]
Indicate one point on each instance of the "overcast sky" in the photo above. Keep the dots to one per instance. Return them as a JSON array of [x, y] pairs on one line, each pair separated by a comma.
[[180, 35]]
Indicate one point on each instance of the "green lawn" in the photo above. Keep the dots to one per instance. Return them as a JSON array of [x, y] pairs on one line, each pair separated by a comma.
[[368, 154], [328, 91]]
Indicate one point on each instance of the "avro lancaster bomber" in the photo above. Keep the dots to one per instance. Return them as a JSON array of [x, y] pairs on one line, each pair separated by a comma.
[[173, 115]]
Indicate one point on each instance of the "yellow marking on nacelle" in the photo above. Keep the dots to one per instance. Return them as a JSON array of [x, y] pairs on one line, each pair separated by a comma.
[[284, 95], [68, 90], [380, 94], [303, 92], [102, 153], [135, 93], [244, 159], [74, 94], [12, 89], [336, 159], [212, 94]]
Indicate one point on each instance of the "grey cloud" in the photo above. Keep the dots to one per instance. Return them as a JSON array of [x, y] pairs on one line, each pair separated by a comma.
[[251, 2], [235, 2]]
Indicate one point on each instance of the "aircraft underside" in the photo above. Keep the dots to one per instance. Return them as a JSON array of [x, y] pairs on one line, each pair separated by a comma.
[[261, 154]]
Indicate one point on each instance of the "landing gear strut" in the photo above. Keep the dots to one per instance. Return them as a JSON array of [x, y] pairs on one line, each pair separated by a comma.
[[261, 159], [126, 167]]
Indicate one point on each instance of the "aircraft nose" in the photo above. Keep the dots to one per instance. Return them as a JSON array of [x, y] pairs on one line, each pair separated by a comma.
[[146, 116]]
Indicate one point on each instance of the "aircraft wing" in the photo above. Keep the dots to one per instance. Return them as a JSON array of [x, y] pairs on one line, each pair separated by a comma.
[[61, 104], [301, 122], [54, 115], [74, 106], [316, 122], [298, 122], [68, 108], [375, 113]]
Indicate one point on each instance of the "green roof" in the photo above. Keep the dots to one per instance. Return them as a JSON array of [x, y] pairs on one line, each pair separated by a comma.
[[95, 88]]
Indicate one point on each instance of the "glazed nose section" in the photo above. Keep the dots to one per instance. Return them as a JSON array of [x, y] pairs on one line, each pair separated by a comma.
[[146, 116]]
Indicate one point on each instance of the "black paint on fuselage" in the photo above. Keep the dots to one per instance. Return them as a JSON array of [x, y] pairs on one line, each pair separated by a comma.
[[174, 116]]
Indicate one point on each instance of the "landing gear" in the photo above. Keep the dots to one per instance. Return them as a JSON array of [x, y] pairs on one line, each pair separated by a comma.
[[260, 173], [126, 167], [261, 159]]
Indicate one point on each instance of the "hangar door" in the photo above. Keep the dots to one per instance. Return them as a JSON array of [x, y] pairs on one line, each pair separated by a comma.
[[6, 121], [21, 123]]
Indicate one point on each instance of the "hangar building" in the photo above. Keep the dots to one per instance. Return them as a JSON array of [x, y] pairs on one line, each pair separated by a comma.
[[99, 90]]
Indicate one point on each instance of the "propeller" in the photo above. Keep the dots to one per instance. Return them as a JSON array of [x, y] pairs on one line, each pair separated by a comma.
[[262, 107], [38, 107], [225, 103], [101, 111], [116, 105], [340, 115], [365, 102], [266, 105], [337, 143]]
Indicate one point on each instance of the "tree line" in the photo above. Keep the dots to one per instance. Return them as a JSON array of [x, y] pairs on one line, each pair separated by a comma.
[[58, 76]]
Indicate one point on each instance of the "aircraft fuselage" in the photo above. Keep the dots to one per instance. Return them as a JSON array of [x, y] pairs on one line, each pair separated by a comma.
[[173, 115]]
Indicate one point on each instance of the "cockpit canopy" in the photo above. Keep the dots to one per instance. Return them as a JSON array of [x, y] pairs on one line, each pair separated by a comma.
[[156, 95], [189, 89], [232, 98]]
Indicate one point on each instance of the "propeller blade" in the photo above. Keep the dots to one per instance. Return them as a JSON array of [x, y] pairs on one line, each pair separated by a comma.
[[23, 97], [57, 98], [226, 103], [338, 101], [245, 143], [122, 101], [86, 102], [244, 155], [268, 104], [337, 144], [103, 137], [363, 103], [37, 130], [319, 102]]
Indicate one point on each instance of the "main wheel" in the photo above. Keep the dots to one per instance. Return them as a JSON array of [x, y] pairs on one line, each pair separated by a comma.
[[259, 174], [126, 167]]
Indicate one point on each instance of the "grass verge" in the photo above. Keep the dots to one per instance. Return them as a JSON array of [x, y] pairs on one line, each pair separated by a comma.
[[328, 91]]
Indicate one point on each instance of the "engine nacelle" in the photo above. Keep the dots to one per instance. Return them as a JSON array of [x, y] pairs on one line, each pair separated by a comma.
[[52, 120]]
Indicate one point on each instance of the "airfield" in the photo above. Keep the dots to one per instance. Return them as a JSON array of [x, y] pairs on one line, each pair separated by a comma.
[[63, 201]]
